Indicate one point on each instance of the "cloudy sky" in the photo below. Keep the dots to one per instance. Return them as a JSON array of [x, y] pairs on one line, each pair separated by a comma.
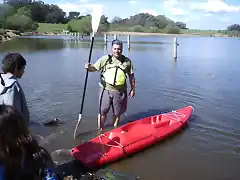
[[197, 14]]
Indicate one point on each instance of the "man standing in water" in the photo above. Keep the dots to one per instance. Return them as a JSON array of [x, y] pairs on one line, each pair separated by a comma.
[[113, 91]]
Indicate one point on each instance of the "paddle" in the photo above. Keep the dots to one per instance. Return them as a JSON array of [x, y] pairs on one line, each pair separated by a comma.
[[96, 16]]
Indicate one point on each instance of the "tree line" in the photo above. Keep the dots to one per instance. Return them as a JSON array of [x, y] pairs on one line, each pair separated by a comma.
[[24, 15]]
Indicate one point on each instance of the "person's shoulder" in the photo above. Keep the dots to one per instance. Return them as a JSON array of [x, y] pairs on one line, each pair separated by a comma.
[[127, 59], [17, 86], [105, 57]]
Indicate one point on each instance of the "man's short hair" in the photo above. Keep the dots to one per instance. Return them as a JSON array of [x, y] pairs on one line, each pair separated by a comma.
[[118, 42]]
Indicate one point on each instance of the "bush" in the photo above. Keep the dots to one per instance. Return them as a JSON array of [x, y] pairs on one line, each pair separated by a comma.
[[17, 22], [154, 30], [69, 28], [138, 28], [170, 29], [34, 26]]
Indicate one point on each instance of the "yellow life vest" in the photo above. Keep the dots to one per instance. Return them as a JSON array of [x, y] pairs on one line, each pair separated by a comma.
[[114, 75]]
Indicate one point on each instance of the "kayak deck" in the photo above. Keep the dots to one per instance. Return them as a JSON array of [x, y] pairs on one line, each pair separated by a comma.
[[130, 138]]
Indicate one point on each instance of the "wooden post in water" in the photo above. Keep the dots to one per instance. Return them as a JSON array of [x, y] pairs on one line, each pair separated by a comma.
[[128, 41], [175, 45]]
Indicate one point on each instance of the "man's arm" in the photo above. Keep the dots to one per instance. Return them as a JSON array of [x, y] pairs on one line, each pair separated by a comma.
[[97, 66], [132, 81], [131, 76]]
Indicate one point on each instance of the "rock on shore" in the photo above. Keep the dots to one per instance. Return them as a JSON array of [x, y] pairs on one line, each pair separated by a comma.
[[6, 35]]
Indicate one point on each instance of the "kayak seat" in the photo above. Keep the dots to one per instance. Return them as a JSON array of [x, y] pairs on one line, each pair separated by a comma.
[[162, 124], [151, 119], [127, 135], [136, 133]]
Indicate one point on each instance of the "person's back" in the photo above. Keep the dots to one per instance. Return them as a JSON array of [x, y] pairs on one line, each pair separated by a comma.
[[11, 92]]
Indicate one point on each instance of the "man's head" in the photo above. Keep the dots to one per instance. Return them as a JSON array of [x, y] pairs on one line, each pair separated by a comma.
[[117, 47], [14, 63]]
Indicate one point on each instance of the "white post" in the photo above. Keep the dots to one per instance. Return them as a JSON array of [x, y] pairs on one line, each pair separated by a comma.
[[128, 41], [105, 39], [175, 45], [115, 36]]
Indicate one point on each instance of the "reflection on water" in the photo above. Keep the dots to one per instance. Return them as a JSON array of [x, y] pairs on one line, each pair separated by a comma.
[[33, 45], [44, 43]]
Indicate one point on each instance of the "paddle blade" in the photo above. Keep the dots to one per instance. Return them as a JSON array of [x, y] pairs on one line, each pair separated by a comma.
[[75, 131], [96, 17]]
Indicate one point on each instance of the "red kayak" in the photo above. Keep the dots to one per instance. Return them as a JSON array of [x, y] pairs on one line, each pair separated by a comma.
[[130, 138]]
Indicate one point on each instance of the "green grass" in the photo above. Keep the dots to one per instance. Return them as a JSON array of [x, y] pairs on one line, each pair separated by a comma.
[[48, 27], [200, 32]]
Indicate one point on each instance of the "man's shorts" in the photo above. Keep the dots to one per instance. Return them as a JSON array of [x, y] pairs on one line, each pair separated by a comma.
[[115, 99]]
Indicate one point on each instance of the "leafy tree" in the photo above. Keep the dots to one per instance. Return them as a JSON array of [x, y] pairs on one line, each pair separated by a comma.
[[80, 25], [73, 15], [181, 25], [24, 11], [116, 20], [234, 27]]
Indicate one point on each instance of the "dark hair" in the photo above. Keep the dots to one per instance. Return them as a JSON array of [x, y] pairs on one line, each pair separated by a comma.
[[17, 147], [12, 62], [118, 42]]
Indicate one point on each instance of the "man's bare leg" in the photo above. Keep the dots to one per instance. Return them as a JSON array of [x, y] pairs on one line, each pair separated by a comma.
[[116, 121], [101, 123]]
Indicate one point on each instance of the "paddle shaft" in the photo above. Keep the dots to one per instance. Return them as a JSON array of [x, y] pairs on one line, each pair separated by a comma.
[[86, 77]]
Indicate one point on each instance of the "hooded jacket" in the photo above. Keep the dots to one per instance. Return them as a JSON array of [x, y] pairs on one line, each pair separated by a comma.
[[12, 94]]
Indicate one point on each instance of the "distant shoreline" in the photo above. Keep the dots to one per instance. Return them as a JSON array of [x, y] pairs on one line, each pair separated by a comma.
[[125, 33], [144, 34]]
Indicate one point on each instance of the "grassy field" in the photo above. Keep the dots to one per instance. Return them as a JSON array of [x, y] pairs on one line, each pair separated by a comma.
[[55, 28], [47, 27], [200, 32]]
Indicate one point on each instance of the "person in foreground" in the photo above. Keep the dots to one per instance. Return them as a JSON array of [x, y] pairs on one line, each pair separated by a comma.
[[11, 93], [113, 85], [20, 155]]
